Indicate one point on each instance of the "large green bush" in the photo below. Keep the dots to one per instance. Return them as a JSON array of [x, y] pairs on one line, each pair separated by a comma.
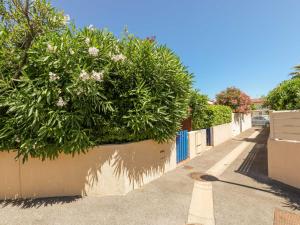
[[218, 114], [286, 96], [81, 88]]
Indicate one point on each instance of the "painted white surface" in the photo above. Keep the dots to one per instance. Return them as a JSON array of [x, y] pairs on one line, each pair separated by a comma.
[[202, 208]]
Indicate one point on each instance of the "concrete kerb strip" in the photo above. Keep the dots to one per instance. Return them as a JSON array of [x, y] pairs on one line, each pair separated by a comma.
[[201, 208]]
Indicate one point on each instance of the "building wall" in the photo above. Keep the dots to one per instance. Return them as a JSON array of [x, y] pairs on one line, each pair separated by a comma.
[[285, 125], [284, 147], [283, 161], [103, 170]]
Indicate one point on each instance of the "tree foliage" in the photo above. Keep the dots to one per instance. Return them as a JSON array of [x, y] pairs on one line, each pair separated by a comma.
[[199, 107], [237, 100], [80, 88], [286, 96], [218, 114], [21, 22], [296, 73], [205, 115]]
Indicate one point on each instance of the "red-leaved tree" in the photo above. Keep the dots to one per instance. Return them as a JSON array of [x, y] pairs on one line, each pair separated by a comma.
[[237, 100]]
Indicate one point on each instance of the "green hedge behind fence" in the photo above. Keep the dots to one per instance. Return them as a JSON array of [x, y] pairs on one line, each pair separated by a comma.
[[205, 115], [218, 114]]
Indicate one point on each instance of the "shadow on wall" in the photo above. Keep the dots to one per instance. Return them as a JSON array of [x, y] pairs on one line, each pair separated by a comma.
[[103, 170], [256, 166]]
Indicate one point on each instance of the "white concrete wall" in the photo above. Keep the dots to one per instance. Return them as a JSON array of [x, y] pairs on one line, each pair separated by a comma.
[[221, 133], [246, 122], [103, 170], [197, 142], [240, 123]]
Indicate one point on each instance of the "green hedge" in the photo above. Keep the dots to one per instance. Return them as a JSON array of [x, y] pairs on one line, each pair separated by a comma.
[[205, 115], [82, 88], [213, 115], [218, 114]]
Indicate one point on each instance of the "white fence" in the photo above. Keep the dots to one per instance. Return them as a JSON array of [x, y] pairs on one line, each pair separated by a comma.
[[285, 125]]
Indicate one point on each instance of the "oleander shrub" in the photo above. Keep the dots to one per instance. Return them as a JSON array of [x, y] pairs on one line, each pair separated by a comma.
[[217, 115], [81, 88], [286, 96], [236, 99]]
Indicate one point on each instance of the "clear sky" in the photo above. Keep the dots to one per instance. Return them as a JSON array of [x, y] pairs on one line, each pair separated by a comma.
[[250, 44]]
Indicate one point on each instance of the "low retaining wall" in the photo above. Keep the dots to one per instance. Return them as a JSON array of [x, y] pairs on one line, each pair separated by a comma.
[[283, 161], [197, 142], [221, 133], [240, 123], [103, 170]]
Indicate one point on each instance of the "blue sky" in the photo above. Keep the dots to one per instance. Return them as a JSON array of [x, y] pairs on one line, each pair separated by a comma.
[[252, 45]]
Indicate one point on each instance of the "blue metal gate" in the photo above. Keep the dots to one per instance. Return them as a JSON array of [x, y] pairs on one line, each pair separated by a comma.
[[182, 146]]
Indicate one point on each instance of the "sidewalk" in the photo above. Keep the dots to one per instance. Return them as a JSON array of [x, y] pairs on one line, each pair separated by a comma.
[[166, 201]]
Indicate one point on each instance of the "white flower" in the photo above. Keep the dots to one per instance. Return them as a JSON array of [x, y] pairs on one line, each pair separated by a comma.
[[66, 19], [18, 140], [87, 41], [93, 51], [53, 76], [51, 48], [91, 27], [71, 51], [98, 76], [84, 75], [61, 102], [119, 57]]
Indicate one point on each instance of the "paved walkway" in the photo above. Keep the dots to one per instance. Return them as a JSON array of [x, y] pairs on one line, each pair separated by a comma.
[[242, 195]]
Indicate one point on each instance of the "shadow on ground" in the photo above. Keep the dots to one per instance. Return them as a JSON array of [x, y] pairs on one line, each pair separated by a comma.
[[37, 203], [255, 165]]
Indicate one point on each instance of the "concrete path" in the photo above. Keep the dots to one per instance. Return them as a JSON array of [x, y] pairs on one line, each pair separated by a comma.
[[237, 196], [244, 195]]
